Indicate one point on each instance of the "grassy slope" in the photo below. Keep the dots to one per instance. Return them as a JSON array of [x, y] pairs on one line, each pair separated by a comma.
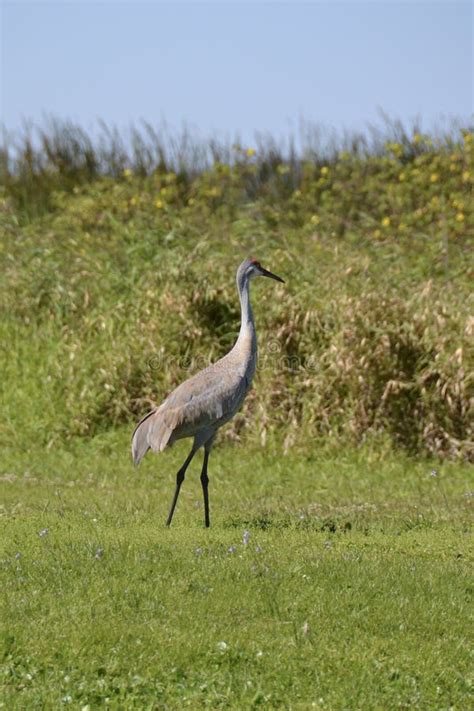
[[108, 297], [354, 590]]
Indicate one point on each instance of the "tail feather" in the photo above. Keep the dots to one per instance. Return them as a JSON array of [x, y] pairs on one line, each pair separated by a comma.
[[152, 432], [140, 445]]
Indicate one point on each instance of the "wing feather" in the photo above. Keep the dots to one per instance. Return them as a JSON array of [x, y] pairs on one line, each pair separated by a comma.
[[202, 402]]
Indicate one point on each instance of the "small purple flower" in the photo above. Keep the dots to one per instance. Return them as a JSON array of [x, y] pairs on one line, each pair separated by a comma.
[[99, 553], [433, 473], [258, 549], [43, 532], [232, 549], [246, 537]]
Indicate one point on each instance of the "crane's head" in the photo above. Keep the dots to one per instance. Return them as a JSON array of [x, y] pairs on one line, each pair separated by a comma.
[[252, 268]]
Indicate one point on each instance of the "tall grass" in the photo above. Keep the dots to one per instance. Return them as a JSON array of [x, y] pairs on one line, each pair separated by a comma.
[[40, 159], [118, 256]]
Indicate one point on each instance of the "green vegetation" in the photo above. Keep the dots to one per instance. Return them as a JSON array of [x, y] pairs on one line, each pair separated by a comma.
[[370, 337], [348, 466], [354, 590]]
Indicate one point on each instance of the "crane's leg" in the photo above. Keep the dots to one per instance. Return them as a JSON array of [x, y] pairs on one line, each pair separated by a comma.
[[205, 481], [179, 481]]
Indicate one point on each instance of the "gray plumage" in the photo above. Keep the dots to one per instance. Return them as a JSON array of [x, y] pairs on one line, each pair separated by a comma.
[[201, 405]]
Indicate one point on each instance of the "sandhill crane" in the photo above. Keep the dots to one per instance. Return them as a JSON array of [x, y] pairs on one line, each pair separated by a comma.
[[201, 405]]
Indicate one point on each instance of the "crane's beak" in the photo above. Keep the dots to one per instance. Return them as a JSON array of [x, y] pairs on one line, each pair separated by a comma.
[[265, 272]]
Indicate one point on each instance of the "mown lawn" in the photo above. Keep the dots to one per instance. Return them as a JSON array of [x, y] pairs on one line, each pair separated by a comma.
[[352, 588]]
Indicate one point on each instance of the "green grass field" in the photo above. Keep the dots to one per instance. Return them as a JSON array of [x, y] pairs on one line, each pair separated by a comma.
[[353, 591], [337, 572]]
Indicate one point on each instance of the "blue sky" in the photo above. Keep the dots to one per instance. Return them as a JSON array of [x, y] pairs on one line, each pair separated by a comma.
[[236, 67]]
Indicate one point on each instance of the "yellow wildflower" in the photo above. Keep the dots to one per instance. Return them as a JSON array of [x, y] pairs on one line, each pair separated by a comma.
[[127, 173], [315, 219], [377, 233], [324, 170], [434, 177], [250, 152], [417, 139], [460, 217], [402, 177], [159, 204], [133, 201], [452, 167], [386, 222], [466, 176], [468, 138]]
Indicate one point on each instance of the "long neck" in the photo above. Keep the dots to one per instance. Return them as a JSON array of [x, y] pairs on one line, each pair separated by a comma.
[[247, 326]]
